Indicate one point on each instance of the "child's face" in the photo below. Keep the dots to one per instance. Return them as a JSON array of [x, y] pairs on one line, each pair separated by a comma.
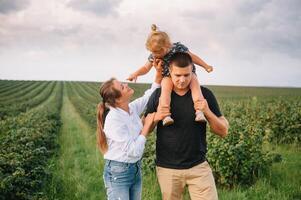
[[160, 54]]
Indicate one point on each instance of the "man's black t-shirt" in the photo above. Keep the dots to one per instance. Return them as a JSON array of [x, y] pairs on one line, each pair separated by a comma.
[[181, 145]]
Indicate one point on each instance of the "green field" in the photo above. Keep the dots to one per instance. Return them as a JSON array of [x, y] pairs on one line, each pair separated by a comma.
[[48, 147]]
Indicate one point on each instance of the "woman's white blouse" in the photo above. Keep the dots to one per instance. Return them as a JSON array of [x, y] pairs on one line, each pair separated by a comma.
[[122, 130]]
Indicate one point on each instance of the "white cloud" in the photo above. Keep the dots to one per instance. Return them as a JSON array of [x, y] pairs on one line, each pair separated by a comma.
[[99, 39], [98, 7], [9, 6]]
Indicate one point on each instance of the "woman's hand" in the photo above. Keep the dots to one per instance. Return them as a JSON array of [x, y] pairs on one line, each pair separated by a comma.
[[162, 112], [152, 119], [148, 124]]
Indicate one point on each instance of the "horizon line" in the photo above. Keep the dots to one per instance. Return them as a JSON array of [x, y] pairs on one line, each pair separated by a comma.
[[225, 85]]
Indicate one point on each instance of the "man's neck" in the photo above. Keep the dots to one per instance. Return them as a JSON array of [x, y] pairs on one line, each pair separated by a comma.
[[181, 92]]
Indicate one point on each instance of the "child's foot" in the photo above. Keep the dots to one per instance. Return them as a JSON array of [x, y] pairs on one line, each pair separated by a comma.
[[200, 117], [167, 121]]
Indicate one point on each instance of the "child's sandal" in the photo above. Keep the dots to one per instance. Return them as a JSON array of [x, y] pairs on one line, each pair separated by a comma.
[[200, 117], [167, 121]]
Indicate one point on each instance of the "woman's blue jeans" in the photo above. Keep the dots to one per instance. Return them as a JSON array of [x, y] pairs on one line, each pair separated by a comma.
[[122, 180]]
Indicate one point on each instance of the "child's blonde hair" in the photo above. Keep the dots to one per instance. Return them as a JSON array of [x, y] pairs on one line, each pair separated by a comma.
[[157, 40]]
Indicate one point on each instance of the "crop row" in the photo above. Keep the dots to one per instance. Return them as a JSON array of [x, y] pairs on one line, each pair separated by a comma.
[[239, 158], [19, 91], [28, 140], [35, 97], [82, 105], [6, 85]]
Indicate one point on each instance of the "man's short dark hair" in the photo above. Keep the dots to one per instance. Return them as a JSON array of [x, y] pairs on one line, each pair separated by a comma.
[[180, 59]]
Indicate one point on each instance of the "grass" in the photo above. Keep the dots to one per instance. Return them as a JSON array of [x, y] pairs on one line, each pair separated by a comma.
[[77, 167]]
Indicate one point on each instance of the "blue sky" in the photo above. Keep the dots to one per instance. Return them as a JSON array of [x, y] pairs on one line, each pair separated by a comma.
[[256, 43]]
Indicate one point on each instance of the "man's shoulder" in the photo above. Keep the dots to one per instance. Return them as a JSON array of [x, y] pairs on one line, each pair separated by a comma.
[[205, 89], [156, 94], [153, 101], [157, 91], [206, 92]]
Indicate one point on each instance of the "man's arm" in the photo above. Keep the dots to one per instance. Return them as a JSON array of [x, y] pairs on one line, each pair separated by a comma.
[[218, 125]]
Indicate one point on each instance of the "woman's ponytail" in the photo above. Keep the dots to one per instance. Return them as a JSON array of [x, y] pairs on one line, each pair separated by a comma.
[[109, 96], [100, 134]]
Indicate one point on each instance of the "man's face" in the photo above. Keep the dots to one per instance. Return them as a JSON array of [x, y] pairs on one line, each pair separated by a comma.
[[181, 76]]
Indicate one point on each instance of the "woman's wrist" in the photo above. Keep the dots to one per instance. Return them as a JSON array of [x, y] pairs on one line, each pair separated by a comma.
[[144, 132], [156, 118]]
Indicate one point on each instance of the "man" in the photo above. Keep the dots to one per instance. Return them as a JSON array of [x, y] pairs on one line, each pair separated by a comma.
[[181, 147]]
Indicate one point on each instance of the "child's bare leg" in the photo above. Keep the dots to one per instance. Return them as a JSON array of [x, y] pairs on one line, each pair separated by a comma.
[[196, 96], [166, 89]]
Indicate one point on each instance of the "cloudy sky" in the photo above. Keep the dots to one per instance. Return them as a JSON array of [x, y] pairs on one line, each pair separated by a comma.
[[249, 42]]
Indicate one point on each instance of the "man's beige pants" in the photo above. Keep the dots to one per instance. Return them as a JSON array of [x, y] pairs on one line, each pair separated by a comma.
[[199, 180]]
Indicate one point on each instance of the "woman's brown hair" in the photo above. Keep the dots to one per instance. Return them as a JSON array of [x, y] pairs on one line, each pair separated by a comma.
[[109, 96]]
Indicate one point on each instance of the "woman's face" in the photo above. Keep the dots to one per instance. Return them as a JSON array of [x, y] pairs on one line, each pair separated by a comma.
[[125, 90]]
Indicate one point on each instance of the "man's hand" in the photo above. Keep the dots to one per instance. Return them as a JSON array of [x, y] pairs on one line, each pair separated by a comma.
[[201, 105], [132, 77], [218, 125]]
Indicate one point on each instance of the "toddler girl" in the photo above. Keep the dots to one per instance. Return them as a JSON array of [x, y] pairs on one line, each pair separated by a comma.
[[158, 43]]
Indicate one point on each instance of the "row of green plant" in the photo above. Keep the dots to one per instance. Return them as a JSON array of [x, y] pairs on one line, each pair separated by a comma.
[[29, 94], [240, 157], [87, 92], [6, 85], [28, 140], [281, 119], [14, 106], [83, 106], [19, 91]]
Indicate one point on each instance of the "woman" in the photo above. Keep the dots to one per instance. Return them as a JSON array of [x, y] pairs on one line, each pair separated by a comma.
[[121, 137]]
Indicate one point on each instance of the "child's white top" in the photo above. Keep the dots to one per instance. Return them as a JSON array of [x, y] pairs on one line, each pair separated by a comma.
[[122, 130]]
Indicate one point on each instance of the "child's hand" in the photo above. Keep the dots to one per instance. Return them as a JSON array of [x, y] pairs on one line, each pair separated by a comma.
[[209, 69], [157, 63], [132, 77]]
